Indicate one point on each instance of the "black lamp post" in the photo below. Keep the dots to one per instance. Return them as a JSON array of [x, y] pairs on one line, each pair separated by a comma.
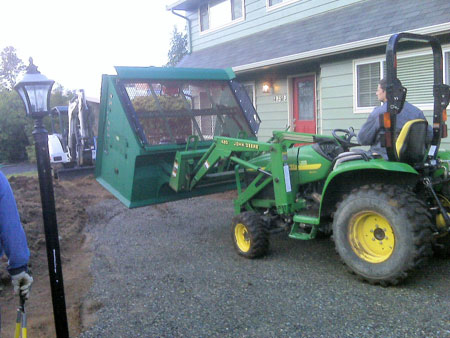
[[34, 89]]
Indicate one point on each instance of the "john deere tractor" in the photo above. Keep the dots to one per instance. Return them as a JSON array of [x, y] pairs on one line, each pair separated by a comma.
[[167, 134]]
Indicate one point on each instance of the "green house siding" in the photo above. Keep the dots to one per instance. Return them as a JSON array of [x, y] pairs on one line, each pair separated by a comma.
[[258, 18], [337, 97], [277, 115], [274, 115]]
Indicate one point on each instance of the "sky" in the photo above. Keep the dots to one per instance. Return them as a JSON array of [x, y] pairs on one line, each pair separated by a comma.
[[75, 42]]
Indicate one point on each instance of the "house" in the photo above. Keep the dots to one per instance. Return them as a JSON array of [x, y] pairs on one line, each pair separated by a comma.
[[314, 64]]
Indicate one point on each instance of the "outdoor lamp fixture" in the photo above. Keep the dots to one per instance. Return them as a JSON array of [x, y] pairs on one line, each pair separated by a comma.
[[34, 89], [267, 87]]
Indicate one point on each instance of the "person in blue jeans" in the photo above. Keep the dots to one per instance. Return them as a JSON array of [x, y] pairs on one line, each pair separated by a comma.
[[13, 242], [369, 134]]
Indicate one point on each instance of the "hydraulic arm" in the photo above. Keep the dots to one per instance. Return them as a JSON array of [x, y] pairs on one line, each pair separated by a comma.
[[196, 167]]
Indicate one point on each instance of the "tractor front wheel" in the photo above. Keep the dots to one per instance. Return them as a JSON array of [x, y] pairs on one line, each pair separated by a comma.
[[250, 235], [382, 232]]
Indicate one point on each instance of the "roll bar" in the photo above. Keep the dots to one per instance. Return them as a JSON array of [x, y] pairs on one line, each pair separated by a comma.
[[396, 94]]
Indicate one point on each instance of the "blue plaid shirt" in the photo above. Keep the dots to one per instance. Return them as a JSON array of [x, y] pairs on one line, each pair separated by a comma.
[[369, 134], [13, 242]]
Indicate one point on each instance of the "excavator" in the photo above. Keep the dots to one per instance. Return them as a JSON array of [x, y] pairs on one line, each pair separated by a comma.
[[72, 143]]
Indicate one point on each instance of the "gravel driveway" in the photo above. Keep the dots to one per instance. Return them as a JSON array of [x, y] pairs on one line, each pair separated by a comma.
[[171, 271]]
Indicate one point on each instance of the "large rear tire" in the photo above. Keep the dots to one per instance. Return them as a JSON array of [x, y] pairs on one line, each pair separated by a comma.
[[250, 235], [382, 232]]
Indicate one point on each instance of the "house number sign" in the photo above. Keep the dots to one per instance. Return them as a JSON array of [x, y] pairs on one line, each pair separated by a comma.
[[280, 98]]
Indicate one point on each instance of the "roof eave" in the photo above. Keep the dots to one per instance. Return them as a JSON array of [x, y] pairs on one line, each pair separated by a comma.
[[337, 49], [183, 5]]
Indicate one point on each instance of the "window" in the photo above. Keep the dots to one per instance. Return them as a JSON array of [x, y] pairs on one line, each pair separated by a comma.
[[415, 72], [278, 3], [219, 13], [274, 2], [367, 76], [447, 67], [204, 21]]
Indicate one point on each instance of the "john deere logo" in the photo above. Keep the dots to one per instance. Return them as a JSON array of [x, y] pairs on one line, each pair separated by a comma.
[[246, 145]]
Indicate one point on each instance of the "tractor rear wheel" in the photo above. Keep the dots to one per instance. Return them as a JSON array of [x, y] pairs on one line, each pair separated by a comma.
[[250, 234], [382, 232]]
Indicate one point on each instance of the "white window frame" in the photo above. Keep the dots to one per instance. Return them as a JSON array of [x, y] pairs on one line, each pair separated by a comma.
[[380, 59], [251, 83], [281, 4], [232, 22], [356, 63], [445, 50]]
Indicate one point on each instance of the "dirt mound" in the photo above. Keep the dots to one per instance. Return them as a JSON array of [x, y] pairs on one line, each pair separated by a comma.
[[71, 198]]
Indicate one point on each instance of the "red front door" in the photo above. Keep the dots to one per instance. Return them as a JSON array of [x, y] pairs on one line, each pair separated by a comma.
[[305, 105]]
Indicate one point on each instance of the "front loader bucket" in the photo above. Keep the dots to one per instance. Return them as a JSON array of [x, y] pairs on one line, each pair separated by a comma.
[[147, 115]]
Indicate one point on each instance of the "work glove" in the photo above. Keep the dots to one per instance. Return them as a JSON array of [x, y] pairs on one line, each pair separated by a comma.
[[22, 283]]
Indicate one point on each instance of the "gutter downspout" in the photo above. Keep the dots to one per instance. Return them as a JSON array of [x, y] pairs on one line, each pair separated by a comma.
[[188, 30]]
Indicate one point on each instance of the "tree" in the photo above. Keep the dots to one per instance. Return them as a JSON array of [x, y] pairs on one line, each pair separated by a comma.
[[15, 127], [10, 67], [178, 47], [60, 96], [16, 141]]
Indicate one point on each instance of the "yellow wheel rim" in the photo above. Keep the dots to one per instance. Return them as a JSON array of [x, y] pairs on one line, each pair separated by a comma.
[[242, 237], [440, 221], [371, 237]]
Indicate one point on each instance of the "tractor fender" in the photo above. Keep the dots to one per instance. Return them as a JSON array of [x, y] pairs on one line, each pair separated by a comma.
[[352, 174]]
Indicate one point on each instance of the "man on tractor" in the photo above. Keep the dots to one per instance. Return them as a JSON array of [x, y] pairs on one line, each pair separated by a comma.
[[369, 133]]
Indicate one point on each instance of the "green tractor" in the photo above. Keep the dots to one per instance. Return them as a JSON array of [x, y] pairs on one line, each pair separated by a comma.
[[385, 216]]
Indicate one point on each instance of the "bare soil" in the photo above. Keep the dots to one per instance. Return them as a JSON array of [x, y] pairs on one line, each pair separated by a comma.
[[71, 199]]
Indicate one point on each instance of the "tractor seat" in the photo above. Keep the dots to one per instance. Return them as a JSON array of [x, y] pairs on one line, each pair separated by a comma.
[[411, 142]]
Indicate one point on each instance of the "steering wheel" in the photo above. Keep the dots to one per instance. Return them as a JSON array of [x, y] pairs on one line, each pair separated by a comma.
[[345, 139]]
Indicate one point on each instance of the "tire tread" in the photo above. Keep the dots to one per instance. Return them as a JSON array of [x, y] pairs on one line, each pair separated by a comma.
[[418, 216], [259, 231]]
